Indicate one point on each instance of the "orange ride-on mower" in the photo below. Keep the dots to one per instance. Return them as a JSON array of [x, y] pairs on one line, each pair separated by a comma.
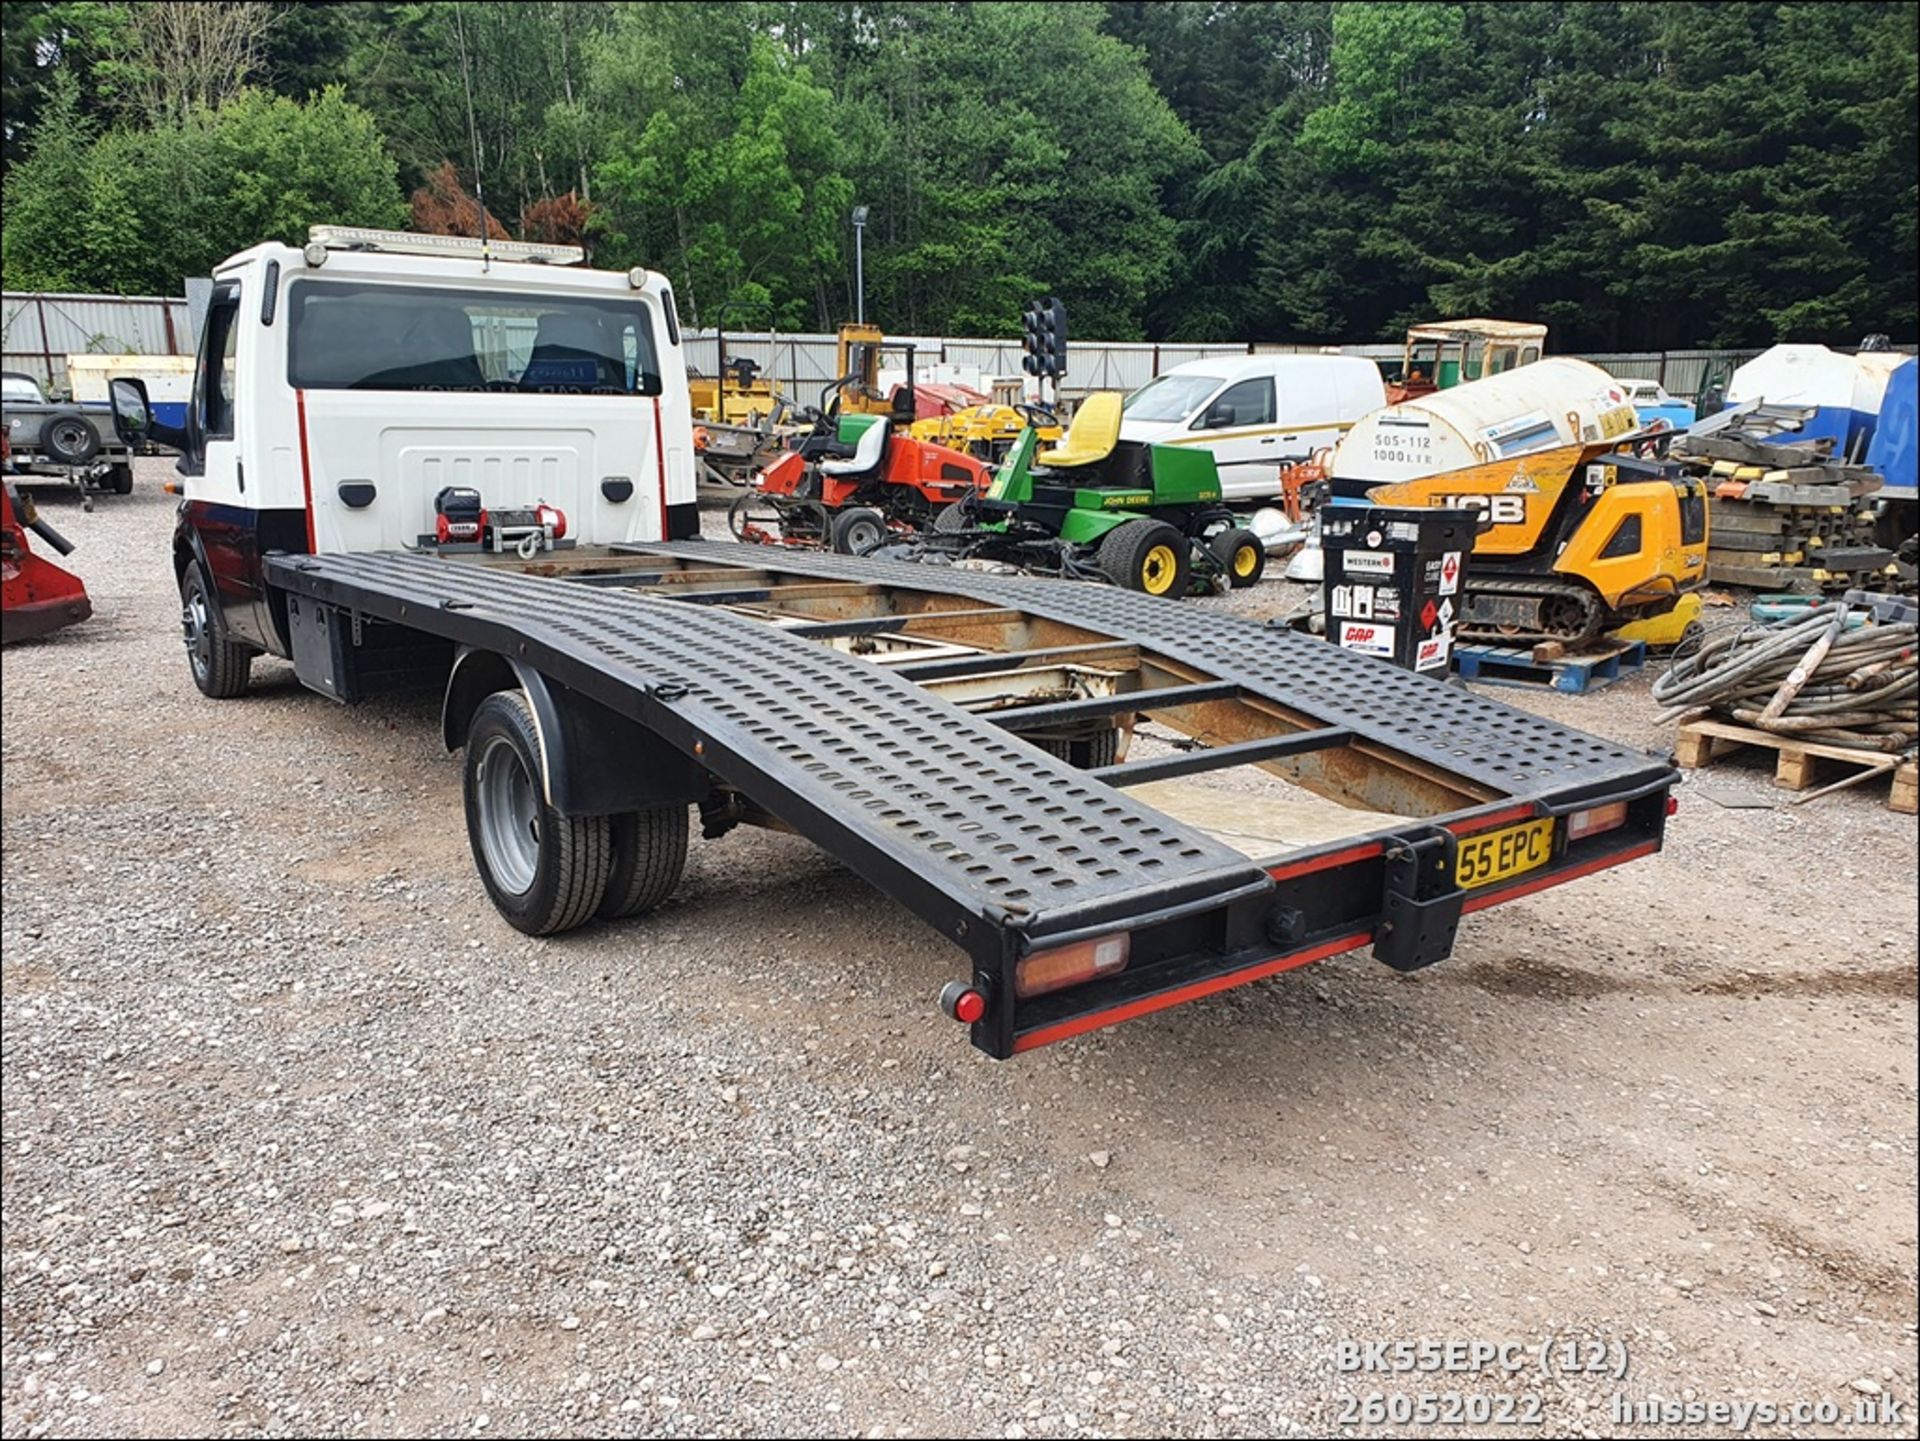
[[854, 482], [36, 596]]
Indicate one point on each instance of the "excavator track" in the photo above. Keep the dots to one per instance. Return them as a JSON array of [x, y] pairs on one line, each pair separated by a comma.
[[1506, 611]]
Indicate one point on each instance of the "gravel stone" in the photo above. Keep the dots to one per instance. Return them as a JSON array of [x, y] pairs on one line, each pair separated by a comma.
[[288, 1107]]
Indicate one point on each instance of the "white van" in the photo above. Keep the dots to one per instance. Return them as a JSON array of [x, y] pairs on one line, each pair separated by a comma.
[[1256, 413]]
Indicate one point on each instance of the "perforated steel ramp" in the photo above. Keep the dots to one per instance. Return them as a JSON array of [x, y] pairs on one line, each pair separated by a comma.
[[908, 788], [1468, 735]]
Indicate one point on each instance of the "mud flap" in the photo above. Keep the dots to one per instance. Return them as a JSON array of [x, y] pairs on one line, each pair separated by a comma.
[[1420, 904]]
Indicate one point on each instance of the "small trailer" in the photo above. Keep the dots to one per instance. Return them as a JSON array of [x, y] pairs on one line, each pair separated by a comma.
[[974, 746]]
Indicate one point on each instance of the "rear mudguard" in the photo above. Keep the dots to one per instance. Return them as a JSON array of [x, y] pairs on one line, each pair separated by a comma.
[[594, 761]]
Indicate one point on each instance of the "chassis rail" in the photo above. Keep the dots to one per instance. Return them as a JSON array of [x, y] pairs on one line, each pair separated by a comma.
[[769, 673]]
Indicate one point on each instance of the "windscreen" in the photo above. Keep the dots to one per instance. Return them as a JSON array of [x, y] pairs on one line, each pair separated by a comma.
[[391, 337], [18, 388], [1170, 397]]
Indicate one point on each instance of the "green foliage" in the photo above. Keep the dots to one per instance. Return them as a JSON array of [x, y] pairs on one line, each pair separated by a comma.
[[1637, 175], [743, 203], [137, 210]]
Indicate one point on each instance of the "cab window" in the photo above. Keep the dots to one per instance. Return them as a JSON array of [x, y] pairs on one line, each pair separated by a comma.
[[410, 338], [1248, 402], [220, 381]]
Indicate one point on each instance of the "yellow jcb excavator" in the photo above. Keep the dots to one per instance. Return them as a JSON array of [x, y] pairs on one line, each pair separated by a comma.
[[1577, 540]]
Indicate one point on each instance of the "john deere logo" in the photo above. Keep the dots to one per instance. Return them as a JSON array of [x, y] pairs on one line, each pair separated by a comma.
[[1122, 502]]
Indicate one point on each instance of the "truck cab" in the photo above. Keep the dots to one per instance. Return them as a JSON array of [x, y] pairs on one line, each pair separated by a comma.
[[343, 390]]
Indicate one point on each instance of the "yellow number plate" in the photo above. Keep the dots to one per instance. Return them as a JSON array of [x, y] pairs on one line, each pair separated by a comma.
[[1509, 851]]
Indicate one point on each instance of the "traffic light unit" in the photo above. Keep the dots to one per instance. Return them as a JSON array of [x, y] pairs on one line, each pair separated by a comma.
[[1043, 335]]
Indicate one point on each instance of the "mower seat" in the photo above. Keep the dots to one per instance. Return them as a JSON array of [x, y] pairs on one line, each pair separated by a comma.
[[1092, 436], [867, 453]]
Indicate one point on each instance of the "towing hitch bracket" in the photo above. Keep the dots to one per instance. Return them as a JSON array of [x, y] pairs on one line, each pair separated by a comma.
[[1420, 905]]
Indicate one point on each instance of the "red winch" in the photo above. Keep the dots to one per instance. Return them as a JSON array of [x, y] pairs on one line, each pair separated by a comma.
[[461, 517]]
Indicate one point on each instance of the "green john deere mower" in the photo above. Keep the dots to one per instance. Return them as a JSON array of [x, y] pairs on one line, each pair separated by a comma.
[[1146, 517]]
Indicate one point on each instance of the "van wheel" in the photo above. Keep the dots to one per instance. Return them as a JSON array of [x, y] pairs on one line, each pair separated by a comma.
[[649, 854], [1241, 557], [1146, 555], [220, 666], [545, 872]]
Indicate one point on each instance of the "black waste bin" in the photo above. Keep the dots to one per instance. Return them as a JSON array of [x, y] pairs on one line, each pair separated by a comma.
[[1393, 580]]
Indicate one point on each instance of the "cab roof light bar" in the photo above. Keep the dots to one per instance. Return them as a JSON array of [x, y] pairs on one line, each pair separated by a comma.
[[406, 242]]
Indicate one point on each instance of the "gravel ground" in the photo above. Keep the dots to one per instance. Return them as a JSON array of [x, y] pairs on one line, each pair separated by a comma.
[[299, 1137]]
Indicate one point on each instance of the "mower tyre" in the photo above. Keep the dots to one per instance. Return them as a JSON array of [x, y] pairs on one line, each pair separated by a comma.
[[1240, 555], [1149, 556], [858, 529]]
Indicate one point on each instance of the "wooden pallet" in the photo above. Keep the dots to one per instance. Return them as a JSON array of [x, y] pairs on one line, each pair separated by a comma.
[[1797, 763], [1524, 665]]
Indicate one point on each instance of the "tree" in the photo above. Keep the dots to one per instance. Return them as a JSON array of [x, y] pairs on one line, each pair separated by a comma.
[[179, 55], [141, 208], [442, 206]]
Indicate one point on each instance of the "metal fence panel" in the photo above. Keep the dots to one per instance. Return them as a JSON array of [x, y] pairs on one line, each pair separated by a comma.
[[39, 331]]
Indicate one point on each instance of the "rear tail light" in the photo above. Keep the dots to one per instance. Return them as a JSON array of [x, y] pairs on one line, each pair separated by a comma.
[[963, 1002], [1062, 966], [1592, 822]]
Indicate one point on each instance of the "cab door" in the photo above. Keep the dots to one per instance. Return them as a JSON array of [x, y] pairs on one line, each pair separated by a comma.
[[1237, 425], [223, 508]]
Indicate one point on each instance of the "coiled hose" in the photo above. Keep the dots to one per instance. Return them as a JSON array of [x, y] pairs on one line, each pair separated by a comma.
[[1815, 679]]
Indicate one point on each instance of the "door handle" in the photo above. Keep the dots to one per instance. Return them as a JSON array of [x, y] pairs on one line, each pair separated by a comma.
[[240, 475], [1268, 440]]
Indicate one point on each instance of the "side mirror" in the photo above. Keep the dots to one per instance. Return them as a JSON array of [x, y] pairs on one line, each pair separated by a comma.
[[132, 413], [1220, 416], [134, 421]]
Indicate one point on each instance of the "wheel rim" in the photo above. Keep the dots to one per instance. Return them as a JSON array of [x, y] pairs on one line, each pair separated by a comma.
[[1244, 561], [1157, 570], [66, 435], [862, 534], [509, 817], [195, 629]]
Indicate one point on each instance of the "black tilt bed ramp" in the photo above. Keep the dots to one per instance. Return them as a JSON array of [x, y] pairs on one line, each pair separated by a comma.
[[877, 707]]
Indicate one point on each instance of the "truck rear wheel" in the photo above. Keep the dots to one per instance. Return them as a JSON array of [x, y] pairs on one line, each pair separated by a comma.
[[220, 666], [649, 854], [545, 872], [1241, 556], [1146, 555]]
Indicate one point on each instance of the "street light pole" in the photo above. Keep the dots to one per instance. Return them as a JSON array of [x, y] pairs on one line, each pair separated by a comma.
[[859, 265]]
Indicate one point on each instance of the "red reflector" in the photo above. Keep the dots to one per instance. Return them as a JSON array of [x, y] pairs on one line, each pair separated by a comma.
[[963, 1002], [1673, 804], [1064, 966], [1593, 822]]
